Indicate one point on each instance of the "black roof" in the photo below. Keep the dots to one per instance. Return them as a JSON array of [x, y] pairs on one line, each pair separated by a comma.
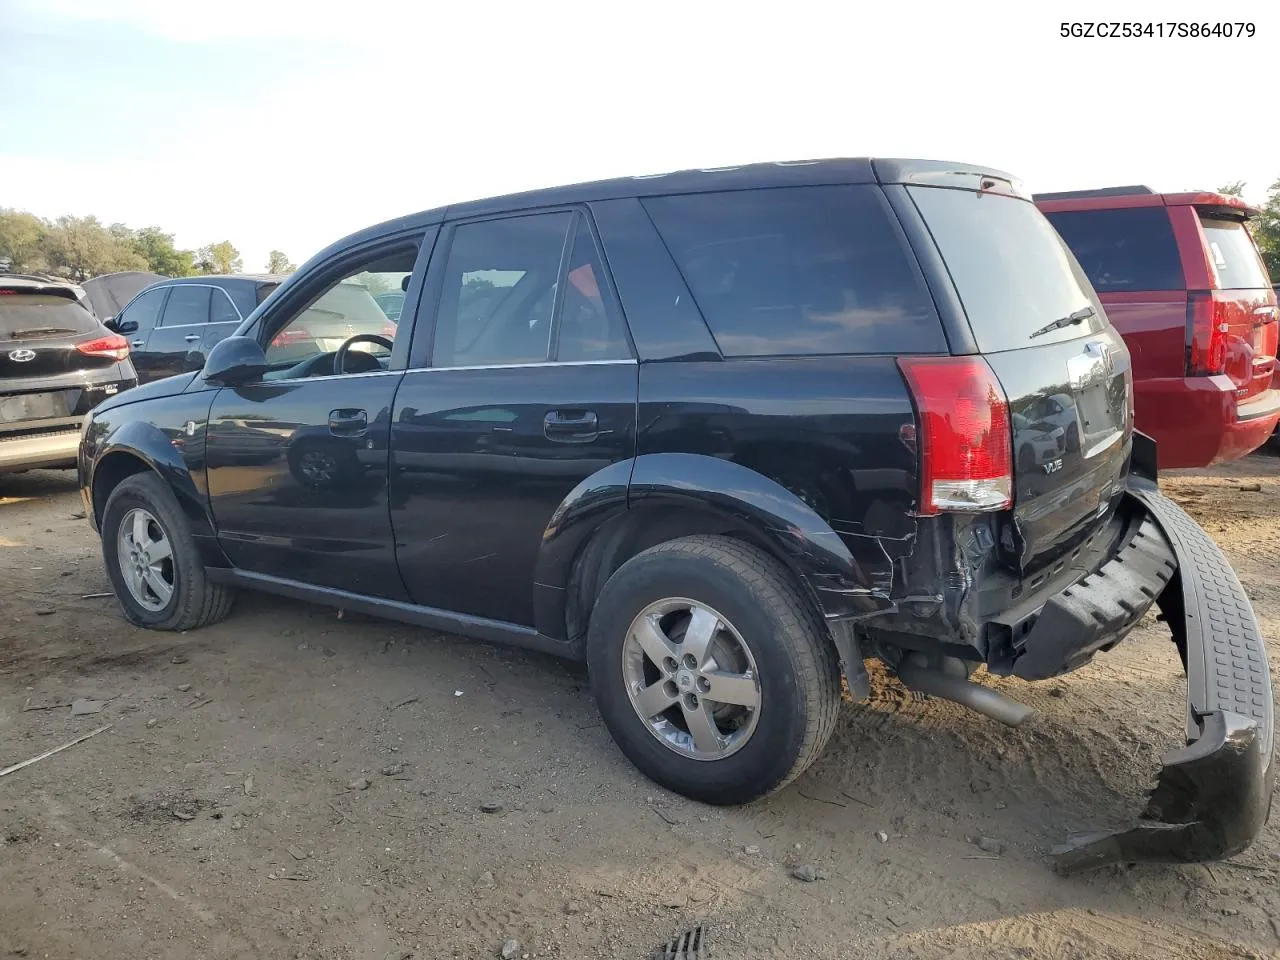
[[218, 279], [783, 173]]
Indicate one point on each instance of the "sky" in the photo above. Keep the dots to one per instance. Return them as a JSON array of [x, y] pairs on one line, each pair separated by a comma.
[[283, 125]]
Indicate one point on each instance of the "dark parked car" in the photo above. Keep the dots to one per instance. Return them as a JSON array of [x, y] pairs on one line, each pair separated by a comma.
[[171, 326], [1183, 283], [57, 361], [723, 435]]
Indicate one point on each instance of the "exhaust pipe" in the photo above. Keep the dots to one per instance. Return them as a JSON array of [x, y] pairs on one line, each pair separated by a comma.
[[916, 672]]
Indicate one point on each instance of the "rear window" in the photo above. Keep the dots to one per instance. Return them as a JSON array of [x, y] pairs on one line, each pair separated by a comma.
[[1234, 258], [1123, 250], [37, 316], [800, 271], [1013, 274]]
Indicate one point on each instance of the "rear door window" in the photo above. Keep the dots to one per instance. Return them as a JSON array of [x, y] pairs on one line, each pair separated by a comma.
[[500, 291], [188, 305], [1013, 274], [800, 271], [39, 316], [1123, 250], [1233, 256], [221, 309], [590, 325]]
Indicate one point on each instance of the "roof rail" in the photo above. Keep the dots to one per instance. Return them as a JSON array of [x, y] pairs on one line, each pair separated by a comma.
[[1130, 191]]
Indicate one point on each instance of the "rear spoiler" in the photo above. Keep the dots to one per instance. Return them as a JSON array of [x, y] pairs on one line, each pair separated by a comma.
[[39, 288]]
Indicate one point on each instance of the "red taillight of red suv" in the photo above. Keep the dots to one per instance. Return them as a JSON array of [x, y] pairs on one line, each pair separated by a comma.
[[966, 460], [114, 347], [1206, 334]]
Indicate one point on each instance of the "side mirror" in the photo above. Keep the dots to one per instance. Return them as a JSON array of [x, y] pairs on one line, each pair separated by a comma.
[[124, 326], [235, 361]]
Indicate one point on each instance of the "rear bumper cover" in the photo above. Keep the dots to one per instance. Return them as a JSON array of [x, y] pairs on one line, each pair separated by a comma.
[[1198, 421], [1213, 796], [39, 450]]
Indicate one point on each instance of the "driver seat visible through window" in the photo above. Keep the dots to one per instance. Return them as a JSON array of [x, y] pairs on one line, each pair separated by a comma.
[[307, 344]]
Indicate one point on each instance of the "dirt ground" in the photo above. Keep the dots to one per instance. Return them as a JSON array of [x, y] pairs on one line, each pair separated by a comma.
[[292, 784]]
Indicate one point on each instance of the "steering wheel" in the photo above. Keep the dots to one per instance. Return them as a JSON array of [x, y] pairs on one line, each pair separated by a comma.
[[340, 358]]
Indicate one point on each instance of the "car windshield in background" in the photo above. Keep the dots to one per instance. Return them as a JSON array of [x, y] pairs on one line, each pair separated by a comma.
[[1123, 250], [1233, 256], [1013, 273], [36, 316], [800, 271]]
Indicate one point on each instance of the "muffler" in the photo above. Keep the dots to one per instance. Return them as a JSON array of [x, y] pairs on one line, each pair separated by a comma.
[[949, 680]]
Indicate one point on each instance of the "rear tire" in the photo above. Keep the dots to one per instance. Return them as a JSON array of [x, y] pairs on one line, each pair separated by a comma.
[[774, 649], [152, 560]]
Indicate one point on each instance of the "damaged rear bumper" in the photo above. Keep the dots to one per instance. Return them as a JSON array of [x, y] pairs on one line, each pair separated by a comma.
[[1213, 796]]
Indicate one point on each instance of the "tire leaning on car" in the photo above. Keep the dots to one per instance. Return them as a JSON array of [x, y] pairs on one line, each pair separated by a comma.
[[152, 561], [712, 672]]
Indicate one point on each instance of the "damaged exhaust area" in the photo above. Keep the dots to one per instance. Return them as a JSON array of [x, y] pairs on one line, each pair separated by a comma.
[[1213, 796]]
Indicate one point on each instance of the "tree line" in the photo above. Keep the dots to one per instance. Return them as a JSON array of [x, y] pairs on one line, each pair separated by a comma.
[[82, 247]]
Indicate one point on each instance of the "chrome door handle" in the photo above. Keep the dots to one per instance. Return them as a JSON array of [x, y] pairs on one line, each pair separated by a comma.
[[191, 337], [138, 343]]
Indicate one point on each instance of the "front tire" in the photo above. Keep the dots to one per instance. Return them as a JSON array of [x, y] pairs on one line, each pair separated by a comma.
[[712, 670], [152, 560]]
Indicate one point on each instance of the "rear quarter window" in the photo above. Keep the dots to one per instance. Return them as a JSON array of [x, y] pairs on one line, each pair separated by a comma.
[[800, 271], [1123, 250], [41, 316], [1232, 255]]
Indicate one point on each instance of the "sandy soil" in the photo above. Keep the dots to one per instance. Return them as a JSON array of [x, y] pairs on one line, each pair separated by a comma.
[[217, 817]]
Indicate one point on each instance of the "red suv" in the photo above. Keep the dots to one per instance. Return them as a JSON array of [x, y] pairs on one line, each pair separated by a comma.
[[1182, 281]]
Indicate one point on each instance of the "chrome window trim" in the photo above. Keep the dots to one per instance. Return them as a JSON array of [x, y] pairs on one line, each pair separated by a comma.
[[183, 326], [524, 366], [485, 366]]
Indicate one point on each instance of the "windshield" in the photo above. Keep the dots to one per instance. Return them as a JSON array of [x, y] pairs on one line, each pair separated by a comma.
[[1234, 257], [1013, 274], [35, 316]]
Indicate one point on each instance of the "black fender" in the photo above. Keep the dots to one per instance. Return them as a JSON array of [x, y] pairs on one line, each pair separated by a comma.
[[146, 442], [744, 501]]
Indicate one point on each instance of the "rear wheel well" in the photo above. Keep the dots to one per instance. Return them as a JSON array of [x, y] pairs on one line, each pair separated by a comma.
[[638, 529], [110, 472]]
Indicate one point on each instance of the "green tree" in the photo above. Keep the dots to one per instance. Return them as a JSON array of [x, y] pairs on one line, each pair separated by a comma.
[[1265, 228], [219, 257], [157, 248], [21, 237], [1266, 231], [277, 262], [84, 248]]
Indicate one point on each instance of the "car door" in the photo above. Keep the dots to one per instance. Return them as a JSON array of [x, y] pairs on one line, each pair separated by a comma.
[[524, 386], [174, 345], [297, 462], [136, 322]]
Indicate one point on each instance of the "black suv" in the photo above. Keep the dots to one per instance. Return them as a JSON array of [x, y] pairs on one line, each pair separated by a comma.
[[723, 435], [56, 363], [172, 325]]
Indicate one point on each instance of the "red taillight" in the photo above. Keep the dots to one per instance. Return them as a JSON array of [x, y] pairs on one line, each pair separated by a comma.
[[1206, 335], [966, 460], [292, 335], [114, 347]]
